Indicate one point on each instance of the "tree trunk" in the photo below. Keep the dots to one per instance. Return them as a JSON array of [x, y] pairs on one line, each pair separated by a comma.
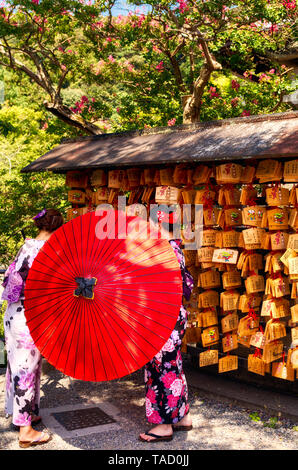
[[192, 105]]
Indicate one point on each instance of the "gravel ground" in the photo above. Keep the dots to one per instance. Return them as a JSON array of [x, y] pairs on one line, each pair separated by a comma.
[[218, 425]]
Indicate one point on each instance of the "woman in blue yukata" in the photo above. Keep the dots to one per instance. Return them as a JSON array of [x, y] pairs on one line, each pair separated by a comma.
[[24, 359], [165, 384]]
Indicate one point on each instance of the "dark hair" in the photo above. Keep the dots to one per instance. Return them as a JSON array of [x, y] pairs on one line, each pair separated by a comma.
[[52, 220]]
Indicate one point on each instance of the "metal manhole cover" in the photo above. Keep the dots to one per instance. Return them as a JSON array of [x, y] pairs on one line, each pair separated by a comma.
[[79, 419]]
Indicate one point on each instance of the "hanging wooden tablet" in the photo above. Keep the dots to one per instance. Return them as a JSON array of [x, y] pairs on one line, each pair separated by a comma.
[[279, 241], [149, 174], [167, 195], [210, 336], [294, 313], [229, 300], [116, 178], [282, 371], [274, 330], [294, 333], [75, 212], [272, 351], [248, 195], [188, 196], [166, 176], [209, 279], [278, 219], [75, 196], [249, 301], [256, 365], [134, 177], [293, 242], [228, 173], [244, 340], [76, 179], [208, 358], [258, 340], [248, 326], [180, 174], [231, 280], [229, 322], [98, 178], [293, 357], [208, 299], [233, 217], [209, 237], [209, 318], [291, 172], [225, 255], [227, 363], [269, 170], [201, 174], [293, 219], [205, 254], [193, 335], [277, 196], [230, 238], [247, 174], [101, 195], [254, 284], [253, 215], [229, 342], [204, 196], [210, 216]]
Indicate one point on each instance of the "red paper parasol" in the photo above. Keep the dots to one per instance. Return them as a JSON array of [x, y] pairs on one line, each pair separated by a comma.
[[99, 309]]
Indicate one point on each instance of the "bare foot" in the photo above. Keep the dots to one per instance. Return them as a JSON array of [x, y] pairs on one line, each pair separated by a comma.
[[185, 421], [162, 430], [27, 433]]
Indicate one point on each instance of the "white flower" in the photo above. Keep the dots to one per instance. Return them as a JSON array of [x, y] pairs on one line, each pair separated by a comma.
[[176, 387], [149, 409], [169, 346]]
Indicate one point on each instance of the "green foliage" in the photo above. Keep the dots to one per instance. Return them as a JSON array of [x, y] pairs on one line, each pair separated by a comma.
[[24, 195]]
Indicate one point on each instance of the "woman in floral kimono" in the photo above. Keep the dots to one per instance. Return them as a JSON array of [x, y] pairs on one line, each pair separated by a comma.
[[24, 359], [166, 388]]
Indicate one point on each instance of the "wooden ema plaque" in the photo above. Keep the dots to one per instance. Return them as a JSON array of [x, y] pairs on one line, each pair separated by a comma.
[[208, 358], [230, 322], [272, 351], [227, 363], [283, 371], [256, 365], [210, 336], [229, 342]]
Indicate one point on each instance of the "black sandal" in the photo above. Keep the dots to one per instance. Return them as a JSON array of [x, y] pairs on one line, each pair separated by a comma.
[[156, 437]]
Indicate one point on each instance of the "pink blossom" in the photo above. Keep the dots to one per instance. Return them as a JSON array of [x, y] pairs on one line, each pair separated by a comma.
[[245, 113], [271, 71], [151, 395], [213, 93], [109, 39], [263, 77], [168, 379], [160, 67], [290, 5], [118, 110], [156, 49], [35, 1], [172, 122], [235, 85], [247, 75], [111, 59], [234, 101], [154, 418], [273, 28], [26, 381], [172, 401], [254, 101]]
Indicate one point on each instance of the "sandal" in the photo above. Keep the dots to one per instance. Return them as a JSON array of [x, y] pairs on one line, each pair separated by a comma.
[[156, 437], [182, 428], [38, 441], [35, 421]]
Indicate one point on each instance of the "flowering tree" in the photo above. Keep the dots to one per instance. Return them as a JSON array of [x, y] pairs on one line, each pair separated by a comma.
[[43, 40], [185, 44], [175, 61]]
